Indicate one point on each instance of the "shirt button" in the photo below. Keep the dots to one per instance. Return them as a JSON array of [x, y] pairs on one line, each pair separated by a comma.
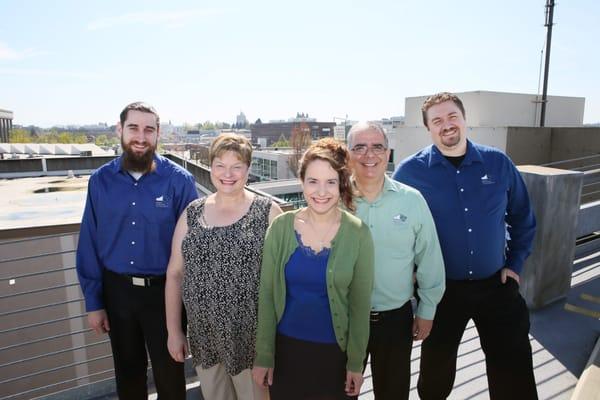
[[470, 230], [131, 262], [466, 209], [471, 251], [133, 223], [133, 242], [135, 184], [470, 272], [133, 203], [462, 190], [457, 171]]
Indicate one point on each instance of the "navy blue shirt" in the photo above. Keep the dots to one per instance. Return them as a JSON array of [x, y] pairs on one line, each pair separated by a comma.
[[481, 209], [128, 224], [307, 315]]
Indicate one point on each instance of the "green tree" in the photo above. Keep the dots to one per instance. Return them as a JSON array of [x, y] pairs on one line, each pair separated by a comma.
[[281, 142], [207, 125], [65, 137], [19, 135], [81, 139], [101, 140]]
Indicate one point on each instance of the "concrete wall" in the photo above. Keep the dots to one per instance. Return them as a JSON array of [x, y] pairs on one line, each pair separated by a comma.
[[409, 140], [555, 197], [484, 108], [526, 145], [568, 143]]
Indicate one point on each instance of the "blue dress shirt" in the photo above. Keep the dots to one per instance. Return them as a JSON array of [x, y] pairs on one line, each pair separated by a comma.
[[128, 224], [481, 209]]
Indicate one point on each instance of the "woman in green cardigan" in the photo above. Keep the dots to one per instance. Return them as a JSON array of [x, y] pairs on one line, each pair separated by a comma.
[[315, 289]]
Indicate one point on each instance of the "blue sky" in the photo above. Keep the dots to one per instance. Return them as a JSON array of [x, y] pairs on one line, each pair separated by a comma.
[[81, 61]]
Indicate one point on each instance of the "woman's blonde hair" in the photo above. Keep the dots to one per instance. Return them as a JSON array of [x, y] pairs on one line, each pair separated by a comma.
[[231, 142]]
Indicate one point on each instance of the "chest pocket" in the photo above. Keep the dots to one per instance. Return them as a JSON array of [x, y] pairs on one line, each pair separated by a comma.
[[494, 197], [399, 238]]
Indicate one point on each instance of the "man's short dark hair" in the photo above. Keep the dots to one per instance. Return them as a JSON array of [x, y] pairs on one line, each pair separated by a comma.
[[139, 106], [441, 98]]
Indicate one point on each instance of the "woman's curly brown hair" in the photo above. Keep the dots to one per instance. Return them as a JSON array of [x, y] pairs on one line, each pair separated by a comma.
[[337, 155]]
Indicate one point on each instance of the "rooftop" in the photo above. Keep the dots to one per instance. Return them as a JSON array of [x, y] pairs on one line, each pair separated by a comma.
[[43, 201]]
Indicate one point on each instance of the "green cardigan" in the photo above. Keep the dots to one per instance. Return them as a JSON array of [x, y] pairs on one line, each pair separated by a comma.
[[349, 284]]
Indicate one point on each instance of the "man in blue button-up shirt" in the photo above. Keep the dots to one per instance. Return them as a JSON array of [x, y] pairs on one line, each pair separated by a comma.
[[486, 227], [133, 203]]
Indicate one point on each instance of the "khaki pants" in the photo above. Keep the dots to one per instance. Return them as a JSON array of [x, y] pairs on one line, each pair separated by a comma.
[[217, 384]]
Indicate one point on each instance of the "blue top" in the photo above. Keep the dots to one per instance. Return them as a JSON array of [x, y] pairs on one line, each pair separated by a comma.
[[127, 225], [481, 209], [307, 315]]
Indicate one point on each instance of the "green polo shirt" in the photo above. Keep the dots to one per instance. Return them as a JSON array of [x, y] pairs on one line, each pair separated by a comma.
[[404, 235]]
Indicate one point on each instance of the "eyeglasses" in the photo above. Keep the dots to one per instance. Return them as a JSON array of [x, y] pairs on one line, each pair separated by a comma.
[[362, 149]]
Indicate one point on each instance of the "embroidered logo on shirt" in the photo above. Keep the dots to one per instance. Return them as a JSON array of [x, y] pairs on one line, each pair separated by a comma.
[[161, 201], [487, 180], [400, 218]]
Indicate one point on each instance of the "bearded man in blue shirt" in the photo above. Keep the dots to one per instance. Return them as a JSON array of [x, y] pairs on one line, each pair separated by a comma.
[[486, 226], [132, 206]]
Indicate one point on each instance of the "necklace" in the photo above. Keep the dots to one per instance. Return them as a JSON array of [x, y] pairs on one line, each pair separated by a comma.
[[321, 241]]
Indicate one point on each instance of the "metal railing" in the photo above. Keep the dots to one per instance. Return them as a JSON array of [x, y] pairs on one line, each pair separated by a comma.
[[45, 345]]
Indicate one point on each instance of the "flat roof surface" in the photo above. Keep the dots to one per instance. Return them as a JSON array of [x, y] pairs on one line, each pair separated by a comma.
[[42, 201]]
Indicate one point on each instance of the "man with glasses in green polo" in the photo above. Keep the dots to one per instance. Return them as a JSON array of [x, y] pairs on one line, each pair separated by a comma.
[[406, 249]]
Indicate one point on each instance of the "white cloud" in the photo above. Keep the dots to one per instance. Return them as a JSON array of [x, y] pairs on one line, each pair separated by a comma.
[[166, 18], [9, 54]]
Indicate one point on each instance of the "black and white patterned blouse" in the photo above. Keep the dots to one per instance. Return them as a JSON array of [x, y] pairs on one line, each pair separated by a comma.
[[220, 285]]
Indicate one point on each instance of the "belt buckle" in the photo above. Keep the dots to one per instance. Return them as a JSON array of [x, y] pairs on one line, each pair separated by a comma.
[[138, 281], [374, 316]]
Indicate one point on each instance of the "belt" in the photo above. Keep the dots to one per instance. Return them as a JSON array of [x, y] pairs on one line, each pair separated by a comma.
[[377, 316], [140, 280]]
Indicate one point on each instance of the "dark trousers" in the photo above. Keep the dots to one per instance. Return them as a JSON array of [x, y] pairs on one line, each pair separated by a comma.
[[308, 371], [136, 315], [502, 321], [390, 345]]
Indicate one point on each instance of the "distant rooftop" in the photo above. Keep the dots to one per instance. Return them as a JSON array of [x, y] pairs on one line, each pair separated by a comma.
[[43, 201], [61, 149]]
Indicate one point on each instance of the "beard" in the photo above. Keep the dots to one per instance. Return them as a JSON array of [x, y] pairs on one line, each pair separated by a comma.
[[136, 162], [451, 141]]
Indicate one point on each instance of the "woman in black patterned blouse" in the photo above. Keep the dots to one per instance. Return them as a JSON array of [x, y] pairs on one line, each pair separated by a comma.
[[214, 269]]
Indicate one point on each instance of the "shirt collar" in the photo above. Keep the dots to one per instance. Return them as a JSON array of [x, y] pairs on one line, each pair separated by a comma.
[[158, 160], [388, 186], [472, 155]]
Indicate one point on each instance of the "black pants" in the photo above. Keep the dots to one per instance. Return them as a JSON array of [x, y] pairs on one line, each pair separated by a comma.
[[390, 345], [502, 320], [136, 315]]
